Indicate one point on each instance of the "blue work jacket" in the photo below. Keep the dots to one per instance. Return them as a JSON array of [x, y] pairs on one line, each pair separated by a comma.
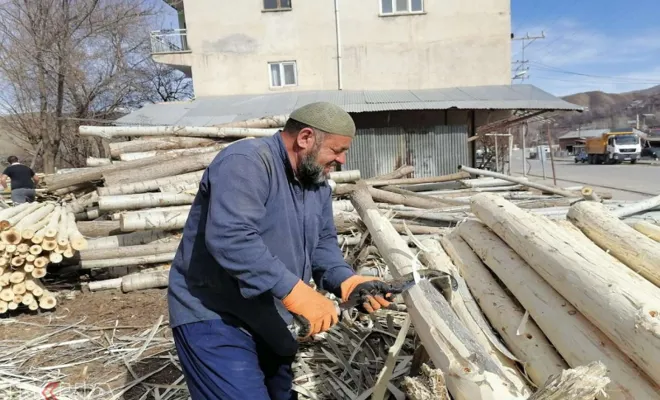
[[253, 231]]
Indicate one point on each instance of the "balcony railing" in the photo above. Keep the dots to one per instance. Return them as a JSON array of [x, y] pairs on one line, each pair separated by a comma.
[[169, 41]]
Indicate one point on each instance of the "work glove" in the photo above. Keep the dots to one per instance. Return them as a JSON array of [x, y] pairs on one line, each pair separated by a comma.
[[320, 311], [372, 290]]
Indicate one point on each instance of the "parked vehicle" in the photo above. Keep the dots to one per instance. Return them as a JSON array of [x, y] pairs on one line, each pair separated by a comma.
[[582, 156], [614, 148]]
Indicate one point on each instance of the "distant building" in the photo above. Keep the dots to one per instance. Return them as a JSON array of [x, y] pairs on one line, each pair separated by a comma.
[[575, 140], [419, 77]]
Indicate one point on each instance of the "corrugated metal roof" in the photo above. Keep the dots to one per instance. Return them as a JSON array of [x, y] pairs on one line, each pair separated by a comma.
[[584, 133], [218, 110]]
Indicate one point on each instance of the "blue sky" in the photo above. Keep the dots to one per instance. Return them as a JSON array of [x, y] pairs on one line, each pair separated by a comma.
[[614, 44]]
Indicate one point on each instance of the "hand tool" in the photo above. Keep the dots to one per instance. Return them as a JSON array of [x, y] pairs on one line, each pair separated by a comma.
[[301, 326]]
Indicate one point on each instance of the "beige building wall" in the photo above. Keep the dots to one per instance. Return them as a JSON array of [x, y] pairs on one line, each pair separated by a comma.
[[452, 43]]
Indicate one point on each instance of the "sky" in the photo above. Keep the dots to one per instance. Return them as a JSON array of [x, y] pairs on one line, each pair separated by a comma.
[[608, 45]]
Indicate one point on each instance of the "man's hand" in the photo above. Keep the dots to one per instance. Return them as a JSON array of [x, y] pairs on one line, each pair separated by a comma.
[[316, 308], [374, 290]]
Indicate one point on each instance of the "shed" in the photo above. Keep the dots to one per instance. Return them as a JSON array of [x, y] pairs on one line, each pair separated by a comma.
[[428, 128]]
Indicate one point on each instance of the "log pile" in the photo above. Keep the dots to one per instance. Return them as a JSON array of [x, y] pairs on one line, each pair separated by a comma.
[[33, 236]]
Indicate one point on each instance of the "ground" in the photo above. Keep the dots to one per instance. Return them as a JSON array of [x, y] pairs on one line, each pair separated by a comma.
[[117, 324], [624, 181]]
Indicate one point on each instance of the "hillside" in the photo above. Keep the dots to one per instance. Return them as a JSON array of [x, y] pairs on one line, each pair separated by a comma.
[[612, 110]]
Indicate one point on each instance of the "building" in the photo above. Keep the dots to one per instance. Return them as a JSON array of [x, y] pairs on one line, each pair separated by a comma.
[[419, 77], [265, 46], [575, 140]]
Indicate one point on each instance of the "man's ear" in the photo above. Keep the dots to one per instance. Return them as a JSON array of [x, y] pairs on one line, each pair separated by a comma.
[[305, 138]]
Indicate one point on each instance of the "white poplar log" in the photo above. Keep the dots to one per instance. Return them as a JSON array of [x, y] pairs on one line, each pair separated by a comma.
[[75, 238], [183, 187], [467, 310], [53, 225], [127, 261], [269, 122], [109, 132], [153, 221], [582, 383], [149, 280], [487, 182], [650, 230], [626, 307], [94, 229], [127, 239], [7, 213], [153, 153], [575, 338], [15, 219], [29, 232], [470, 372], [97, 162], [80, 204], [589, 194], [398, 173], [416, 181], [637, 251], [35, 216], [107, 284], [531, 347], [524, 182], [181, 165], [143, 200], [636, 208], [184, 208], [345, 176], [158, 143], [130, 251], [150, 185]]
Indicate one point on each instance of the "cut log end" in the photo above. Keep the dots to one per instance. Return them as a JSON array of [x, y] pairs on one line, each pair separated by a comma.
[[47, 302], [38, 273], [11, 236]]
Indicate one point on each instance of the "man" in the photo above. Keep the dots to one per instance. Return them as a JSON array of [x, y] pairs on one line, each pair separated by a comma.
[[259, 229], [23, 181]]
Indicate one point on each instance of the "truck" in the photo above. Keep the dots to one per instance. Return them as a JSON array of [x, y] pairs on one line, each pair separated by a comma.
[[614, 147]]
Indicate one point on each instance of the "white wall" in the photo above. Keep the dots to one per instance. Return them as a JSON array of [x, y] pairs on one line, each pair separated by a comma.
[[454, 43]]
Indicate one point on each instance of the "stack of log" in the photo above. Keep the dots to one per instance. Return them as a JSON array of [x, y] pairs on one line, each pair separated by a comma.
[[560, 293], [32, 236]]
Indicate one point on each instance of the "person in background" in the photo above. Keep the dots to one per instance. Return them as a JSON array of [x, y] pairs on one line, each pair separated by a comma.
[[23, 181]]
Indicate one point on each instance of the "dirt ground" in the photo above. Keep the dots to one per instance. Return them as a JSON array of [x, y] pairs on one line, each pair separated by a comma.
[[113, 320]]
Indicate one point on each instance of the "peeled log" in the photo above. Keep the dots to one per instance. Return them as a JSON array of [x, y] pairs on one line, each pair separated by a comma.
[[414, 181], [146, 154], [127, 261], [272, 121], [159, 221], [637, 251], [626, 307], [143, 281], [126, 239], [470, 372], [149, 185], [130, 251], [648, 229], [400, 172], [163, 143], [97, 162], [486, 182], [143, 200], [108, 132], [182, 165], [575, 338], [531, 347], [7, 213], [522, 181], [98, 228], [345, 176], [638, 207], [581, 383]]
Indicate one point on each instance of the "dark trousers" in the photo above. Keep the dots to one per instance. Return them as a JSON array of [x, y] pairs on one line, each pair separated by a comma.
[[222, 361]]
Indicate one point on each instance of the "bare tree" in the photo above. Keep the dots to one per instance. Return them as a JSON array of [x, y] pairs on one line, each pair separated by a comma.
[[64, 62]]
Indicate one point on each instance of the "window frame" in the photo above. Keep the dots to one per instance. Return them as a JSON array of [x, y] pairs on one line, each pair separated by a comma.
[[281, 68], [276, 9], [397, 13]]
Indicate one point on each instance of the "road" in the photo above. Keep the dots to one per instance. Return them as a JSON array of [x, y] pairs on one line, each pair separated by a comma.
[[624, 181]]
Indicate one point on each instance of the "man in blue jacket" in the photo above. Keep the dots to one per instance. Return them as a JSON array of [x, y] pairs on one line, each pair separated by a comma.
[[259, 230]]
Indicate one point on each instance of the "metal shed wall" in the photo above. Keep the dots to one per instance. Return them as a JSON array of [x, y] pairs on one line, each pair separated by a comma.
[[432, 151]]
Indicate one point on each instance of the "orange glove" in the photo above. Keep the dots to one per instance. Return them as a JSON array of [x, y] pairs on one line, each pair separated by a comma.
[[316, 308], [358, 285]]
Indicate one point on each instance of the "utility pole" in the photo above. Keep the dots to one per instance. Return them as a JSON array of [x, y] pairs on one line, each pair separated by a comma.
[[552, 157], [521, 69]]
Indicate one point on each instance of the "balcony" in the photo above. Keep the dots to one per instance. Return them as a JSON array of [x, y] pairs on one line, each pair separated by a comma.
[[167, 41], [170, 47]]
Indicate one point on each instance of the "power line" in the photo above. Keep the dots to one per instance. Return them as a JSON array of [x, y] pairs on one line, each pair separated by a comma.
[[550, 68]]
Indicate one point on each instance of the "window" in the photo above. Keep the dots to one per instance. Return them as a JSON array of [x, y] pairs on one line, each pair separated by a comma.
[[388, 7], [277, 5], [283, 74]]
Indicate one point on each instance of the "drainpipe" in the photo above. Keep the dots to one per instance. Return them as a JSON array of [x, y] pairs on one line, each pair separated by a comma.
[[339, 72]]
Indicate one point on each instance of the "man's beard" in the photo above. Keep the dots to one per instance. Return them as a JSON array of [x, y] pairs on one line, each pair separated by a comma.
[[309, 171]]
